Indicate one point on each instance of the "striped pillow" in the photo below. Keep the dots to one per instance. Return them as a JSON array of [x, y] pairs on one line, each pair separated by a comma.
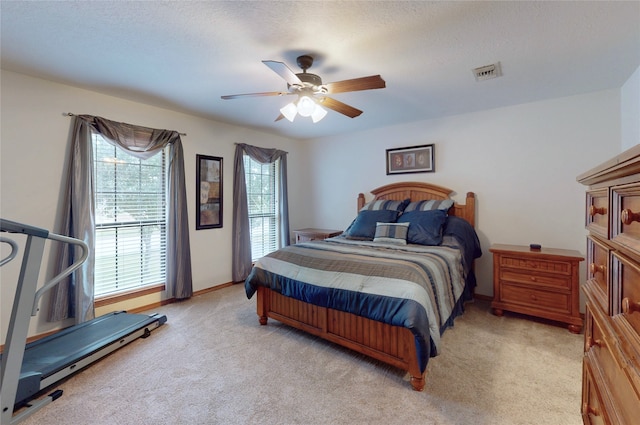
[[384, 204], [395, 233], [431, 204]]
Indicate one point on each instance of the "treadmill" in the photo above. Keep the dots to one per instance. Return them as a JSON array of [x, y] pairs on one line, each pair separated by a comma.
[[29, 369]]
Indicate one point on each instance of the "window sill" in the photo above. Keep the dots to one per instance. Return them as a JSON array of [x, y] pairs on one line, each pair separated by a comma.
[[127, 295]]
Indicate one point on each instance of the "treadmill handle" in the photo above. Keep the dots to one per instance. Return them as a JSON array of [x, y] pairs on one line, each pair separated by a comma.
[[66, 272], [14, 250]]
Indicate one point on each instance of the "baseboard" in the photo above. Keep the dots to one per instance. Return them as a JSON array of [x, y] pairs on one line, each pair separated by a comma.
[[135, 310]]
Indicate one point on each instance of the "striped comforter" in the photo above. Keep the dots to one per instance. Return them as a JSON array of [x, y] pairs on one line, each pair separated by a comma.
[[418, 287]]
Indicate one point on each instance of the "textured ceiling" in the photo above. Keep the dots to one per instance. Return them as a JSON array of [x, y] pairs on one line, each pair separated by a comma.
[[185, 55]]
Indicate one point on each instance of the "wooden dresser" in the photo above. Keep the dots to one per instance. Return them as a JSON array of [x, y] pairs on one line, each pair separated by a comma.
[[304, 235], [611, 365], [542, 283]]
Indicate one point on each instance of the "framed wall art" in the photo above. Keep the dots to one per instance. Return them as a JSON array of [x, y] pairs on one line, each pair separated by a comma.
[[412, 159], [208, 192]]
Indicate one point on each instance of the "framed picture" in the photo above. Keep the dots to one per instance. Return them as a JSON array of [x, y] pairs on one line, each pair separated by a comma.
[[412, 159], [208, 192]]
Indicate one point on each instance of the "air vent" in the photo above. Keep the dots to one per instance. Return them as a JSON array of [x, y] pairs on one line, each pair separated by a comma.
[[487, 72]]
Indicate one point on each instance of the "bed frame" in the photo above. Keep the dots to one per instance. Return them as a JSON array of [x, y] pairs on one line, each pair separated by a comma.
[[393, 345]]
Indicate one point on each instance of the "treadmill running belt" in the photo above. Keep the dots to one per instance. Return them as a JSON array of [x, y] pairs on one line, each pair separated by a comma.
[[54, 353]]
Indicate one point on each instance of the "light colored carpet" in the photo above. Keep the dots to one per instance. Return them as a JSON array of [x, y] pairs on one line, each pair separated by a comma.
[[212, 363]]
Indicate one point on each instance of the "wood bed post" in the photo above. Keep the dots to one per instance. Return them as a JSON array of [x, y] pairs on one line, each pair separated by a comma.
[[262, 305], [360, 201], [417, 379], [470, 209]]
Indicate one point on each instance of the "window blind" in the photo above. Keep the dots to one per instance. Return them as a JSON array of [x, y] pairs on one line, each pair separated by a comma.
[[131, 219], [262, 201]]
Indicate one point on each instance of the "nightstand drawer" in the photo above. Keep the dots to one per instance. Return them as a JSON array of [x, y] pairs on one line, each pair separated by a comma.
[[550, 280], [533, 298], [532, 264]]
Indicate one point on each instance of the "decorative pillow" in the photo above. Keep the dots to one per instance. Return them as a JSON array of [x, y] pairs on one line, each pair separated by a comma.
[[383, 204], [364, 226], [395, 233], [431, 204], [425, 227]]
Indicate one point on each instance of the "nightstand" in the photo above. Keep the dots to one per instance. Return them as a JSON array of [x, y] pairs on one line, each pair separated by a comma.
[[305, 235], [542, 283]]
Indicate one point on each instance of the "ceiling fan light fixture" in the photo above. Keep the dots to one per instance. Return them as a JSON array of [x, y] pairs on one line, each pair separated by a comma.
[[311, 91], [289, 111], [318, 113], [306, 106]]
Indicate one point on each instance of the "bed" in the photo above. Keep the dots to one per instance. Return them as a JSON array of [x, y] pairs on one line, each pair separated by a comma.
[[382, 296]]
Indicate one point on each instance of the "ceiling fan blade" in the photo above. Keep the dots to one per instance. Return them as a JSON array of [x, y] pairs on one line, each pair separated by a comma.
[[284, 71], [267, 93], [338, 106], [356, 84], [279, 118]]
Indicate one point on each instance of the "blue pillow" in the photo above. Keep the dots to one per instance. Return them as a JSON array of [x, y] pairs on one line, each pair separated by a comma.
[[364, 226], [425, 227]]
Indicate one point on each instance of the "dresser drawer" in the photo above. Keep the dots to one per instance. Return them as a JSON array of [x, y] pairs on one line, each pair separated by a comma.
[[533, 264], [597, 212], [592, 411], [539, 279], [626, 216], [607, 362], [626, 277], [598, 271], [533, 298]]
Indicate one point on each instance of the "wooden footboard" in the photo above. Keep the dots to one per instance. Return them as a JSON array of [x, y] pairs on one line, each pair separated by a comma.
[[393, 345]]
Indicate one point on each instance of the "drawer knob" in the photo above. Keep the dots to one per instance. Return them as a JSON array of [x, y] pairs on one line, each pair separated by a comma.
[[628, 306], [597, 268], [627, 216], [590, 410], [593, 210], [591, 342]]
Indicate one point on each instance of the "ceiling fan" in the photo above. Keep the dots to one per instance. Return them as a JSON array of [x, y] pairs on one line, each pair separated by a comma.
[[312, 93]]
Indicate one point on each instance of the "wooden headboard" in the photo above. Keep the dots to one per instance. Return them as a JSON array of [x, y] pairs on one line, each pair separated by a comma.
[[417, 191]]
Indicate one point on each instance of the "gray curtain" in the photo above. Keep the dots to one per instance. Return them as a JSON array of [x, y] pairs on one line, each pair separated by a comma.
[[241, 246], [73, 297]]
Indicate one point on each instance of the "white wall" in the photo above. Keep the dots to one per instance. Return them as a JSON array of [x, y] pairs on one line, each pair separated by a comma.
[[34, 146], [521, 162], [630, 111]]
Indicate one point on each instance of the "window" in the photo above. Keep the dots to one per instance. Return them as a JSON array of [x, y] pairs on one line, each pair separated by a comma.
[[130, 219], [262, 201]]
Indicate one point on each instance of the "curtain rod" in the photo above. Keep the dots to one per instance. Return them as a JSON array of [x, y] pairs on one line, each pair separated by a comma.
[[71, 114]]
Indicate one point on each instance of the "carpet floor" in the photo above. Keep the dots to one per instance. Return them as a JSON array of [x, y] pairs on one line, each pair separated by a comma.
[[212, 363]]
